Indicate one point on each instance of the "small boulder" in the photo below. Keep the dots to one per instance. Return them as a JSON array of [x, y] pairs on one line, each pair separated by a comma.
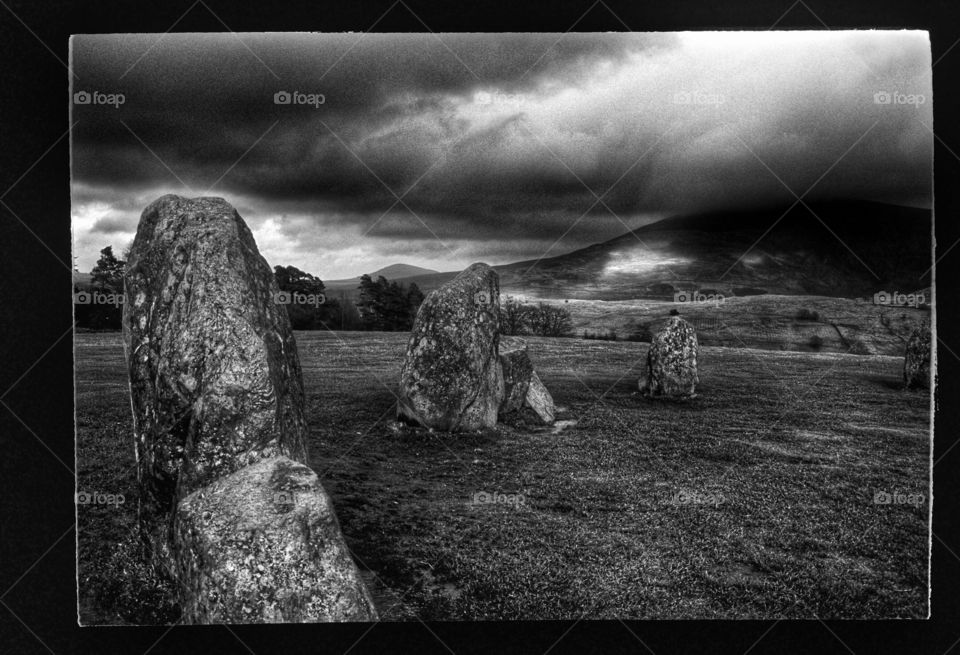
[[672, 362], [263, 545], [522, 385], [916, 358], [215, 379], [451, 378]]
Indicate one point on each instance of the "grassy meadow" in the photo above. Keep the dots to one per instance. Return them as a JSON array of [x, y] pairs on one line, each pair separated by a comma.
[[763, 497]]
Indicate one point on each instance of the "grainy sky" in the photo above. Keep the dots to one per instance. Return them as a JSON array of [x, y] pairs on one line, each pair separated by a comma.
[[442, 150]]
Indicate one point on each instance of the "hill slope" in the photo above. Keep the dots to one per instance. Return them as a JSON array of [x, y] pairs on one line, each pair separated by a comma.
[[839, 249]]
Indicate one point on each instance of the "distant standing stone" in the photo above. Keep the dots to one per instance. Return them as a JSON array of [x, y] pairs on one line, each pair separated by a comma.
[[672, 362], [451, 379], [522, 385], [263, 545], [214, 374], [916, 359]]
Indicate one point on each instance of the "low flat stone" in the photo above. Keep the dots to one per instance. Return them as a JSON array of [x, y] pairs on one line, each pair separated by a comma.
[[517, 371], [538, 399], [263, 545], [522, 385]]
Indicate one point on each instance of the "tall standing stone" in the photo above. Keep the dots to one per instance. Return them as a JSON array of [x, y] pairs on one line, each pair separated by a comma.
[[215, 379], [672, 362], [451, 379], [916, 358]]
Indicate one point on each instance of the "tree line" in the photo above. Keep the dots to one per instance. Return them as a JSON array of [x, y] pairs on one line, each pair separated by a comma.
[[383, 305], [540, 319]]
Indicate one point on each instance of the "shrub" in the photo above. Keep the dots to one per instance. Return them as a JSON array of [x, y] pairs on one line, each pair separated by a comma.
[[639, 332], [815, 342], [860, 348], [808, 315]]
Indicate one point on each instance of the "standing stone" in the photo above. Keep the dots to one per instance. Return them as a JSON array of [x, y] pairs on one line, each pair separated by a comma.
[[672, 362], [522, 385], [263, 545], [916, 359], [215, 379], [451, 378]]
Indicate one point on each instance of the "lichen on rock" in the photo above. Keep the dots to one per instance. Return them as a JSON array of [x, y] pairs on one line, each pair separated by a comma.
[[263, 545], [672, 362], [451, 378], [215, 378], [522, 385]]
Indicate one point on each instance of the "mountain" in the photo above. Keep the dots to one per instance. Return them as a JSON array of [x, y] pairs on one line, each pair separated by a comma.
[[392, 272], [839, 249], [400, 271]]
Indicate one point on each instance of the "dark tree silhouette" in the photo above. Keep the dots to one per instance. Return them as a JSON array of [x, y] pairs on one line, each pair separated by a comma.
[[304, 296], [388, 306]]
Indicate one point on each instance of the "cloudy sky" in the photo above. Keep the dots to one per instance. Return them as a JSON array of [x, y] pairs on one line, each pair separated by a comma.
[[442, 150]]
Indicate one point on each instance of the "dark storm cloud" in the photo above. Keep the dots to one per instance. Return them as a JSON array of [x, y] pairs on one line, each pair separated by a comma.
[[492, 137]]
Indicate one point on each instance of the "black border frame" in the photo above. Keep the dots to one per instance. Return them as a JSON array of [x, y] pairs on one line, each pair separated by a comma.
[[36, 497]]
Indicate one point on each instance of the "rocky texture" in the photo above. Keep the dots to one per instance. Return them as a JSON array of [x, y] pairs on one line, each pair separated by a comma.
[[522, 385], [672, 362], [263, 545], [451, 378], [916, 358], [215, 379], [540, 401]]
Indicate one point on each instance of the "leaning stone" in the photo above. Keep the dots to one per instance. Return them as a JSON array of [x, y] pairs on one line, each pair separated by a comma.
[[539, 400], [916, 358], [263, 545], [451, 379], [522, 385], [215, 379], [672, 362], [517, 370]]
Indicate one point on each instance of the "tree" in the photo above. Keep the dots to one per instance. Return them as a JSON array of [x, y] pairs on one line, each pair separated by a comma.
[[414, 299], [388, 306], [99, 306], [550, 321], [303, 294], [108, 273], [514, 316]]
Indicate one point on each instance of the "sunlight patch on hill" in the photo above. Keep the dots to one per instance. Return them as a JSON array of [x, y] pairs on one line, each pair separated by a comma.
[[639, 261]]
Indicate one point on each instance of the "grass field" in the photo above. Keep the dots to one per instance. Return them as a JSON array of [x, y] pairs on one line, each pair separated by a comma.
[[756, 499]]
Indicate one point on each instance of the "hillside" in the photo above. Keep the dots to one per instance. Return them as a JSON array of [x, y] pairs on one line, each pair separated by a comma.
[[392, 272], [839, 249]]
